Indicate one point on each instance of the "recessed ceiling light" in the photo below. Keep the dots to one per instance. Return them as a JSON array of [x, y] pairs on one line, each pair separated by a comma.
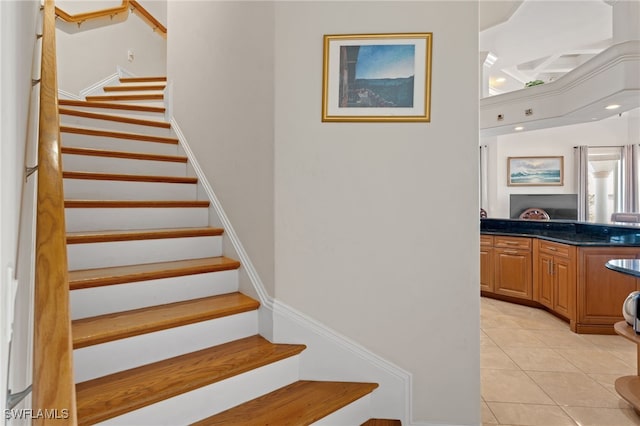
[[500, 80], [519, 128], [613, 106]]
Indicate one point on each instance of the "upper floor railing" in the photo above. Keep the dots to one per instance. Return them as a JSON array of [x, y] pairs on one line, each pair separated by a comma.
[[134, 5]]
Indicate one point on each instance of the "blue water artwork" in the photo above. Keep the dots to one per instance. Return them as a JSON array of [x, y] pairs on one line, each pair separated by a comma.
[[377, 76], [535, 171]]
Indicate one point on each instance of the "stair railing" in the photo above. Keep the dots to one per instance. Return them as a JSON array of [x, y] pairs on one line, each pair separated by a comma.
[[53, 384], [135, 7]]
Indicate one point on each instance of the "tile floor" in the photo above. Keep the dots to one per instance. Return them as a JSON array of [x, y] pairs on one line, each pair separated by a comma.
[[534, 371]]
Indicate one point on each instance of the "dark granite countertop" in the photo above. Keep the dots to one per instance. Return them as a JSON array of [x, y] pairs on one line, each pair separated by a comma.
[[567, 232], [626, 266]]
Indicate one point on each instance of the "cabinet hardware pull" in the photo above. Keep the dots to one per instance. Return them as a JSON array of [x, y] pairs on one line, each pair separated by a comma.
[[511, 251], [512, 243], [552, 248]]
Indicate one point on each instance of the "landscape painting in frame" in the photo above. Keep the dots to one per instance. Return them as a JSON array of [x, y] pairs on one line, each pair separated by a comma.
[[535, 171], [377, 77]]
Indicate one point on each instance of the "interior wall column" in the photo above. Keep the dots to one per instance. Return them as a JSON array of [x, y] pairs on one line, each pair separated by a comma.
[[600, 174], [487, 59], [626, 20]]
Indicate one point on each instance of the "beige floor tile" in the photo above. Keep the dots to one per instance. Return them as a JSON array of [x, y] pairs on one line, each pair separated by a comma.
[[609, 342], [629, 357], [530, 414], [597, 361], [590, 416], [495, 358], [563, 339], [497, 321], [485, 341], [511, 386], [574, 389], [487, 416], [506, 338], [539, 359], [548, 323]]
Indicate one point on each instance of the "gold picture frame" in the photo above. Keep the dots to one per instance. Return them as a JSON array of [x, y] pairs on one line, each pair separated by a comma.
[[535, 171], [377, 77]]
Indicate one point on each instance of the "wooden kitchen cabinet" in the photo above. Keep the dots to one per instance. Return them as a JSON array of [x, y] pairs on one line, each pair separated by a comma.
[[554, 277], [512, 267], [486, 263], [569, 280], [601, 291]]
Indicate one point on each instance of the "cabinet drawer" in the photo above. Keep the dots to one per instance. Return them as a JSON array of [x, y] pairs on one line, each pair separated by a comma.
[[512, 242], [486, 240], [554, 248]]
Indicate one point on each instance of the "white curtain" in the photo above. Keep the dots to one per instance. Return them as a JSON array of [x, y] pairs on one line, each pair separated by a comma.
[[581, 155], [484, 177], [630, 178]]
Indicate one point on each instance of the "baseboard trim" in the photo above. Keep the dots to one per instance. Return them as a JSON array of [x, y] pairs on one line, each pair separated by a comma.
[[284, 316], [97, 87]]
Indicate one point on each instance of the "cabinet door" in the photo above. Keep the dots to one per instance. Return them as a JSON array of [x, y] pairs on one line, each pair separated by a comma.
[[544, 279], [512, 273], [486, 269], [601, 292], [564, 280]]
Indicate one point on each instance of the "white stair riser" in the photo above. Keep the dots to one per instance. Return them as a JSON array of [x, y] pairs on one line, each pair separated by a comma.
[[107, 358], [143, 115], [89, 189], [90, 302], [102, 219], [96, 123], [117, 144], [96, 164], [121, 253], [356, 413], [200, 403]]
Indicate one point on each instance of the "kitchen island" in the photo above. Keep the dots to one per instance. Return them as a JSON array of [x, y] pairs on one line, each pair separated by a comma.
[[559, 266]]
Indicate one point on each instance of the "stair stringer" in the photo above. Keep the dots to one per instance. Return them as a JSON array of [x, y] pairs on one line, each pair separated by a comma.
[[329, 354]]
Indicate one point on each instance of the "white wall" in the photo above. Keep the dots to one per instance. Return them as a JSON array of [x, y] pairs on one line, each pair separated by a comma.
[[557, 141], [220, 59], [376, 224], [17, 41], [366, 228], [86, 56]]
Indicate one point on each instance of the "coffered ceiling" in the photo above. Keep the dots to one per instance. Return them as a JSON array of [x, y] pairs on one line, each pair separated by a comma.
[[540, 39]]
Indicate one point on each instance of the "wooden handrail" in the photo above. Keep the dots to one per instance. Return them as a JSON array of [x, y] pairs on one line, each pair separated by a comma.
[[53, 387], [81, 17], [135, 6], [148, 18]]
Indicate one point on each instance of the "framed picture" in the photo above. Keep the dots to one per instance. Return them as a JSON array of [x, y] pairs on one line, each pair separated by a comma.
[[377, 77], [535, 171]]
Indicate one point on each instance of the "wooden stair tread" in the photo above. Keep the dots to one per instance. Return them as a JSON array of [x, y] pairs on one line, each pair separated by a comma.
[[134, 87], [118, 135], [300, 403], [145, 234], [136, 97], [129, 178], [142, 79], [382, 422], [88, 278], [116, 118], [118, 393], [134, 204], [123, 154], [108, 105], [119, 325]]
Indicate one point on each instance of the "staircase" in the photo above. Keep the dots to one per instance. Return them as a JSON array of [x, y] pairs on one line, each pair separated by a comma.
[[161, 334]]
